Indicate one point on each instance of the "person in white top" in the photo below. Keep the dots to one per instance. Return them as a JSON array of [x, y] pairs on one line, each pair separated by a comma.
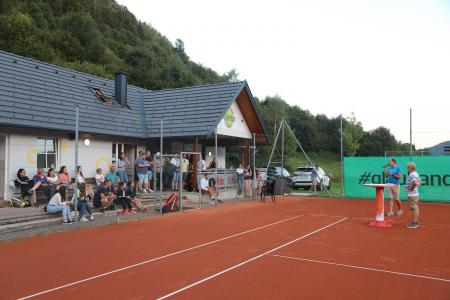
[[175, 173], [201, 164], [412, 183], [240, 180], [205, 188], [81, 180], [99, 178], [52, 178], [58, 203]]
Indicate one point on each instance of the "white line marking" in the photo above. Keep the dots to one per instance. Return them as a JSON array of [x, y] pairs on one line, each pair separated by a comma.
[[249, 260], [367, 219], [159, 258], [359, 267]]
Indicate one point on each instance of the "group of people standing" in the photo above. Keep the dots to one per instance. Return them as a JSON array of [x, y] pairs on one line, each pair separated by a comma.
[[149, 170], [393, 175], [244, 178]]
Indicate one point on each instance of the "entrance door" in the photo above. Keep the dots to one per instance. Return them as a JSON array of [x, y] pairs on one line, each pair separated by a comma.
[[130, 151]]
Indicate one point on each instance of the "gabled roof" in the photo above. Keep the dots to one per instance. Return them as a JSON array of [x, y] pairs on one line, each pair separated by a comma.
[[40, 95], [191, 111]]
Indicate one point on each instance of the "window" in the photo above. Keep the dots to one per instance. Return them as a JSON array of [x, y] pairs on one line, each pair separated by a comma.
[[46, 153], [99, 93]]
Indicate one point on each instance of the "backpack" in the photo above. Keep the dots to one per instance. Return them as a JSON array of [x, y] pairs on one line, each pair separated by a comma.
[[17, 202]]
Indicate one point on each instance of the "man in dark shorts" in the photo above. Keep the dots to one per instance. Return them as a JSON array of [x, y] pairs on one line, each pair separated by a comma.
[[104, 196]]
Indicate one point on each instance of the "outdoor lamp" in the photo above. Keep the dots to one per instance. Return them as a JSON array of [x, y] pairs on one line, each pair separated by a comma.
[[87, 142], [209, 153]]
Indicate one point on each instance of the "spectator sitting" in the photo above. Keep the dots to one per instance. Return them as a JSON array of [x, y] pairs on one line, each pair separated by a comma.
[[124, 200], [52, 178], [99, 178], [26, 185], [104, 197], [40, 184], [212, 186], [81, 180], [131, 193], [112, 176], [205, 188], [58, 204], [83, 204], [64, 177]]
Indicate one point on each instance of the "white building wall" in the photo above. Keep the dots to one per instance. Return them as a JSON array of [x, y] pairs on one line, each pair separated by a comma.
[[221, 152], [239, 127], [23, 149], [97, 155]]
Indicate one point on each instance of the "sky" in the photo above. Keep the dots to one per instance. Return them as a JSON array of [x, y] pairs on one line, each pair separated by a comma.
[[376, 59]]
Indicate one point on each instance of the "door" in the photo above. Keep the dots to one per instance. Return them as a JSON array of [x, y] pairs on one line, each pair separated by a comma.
[[130, 151]]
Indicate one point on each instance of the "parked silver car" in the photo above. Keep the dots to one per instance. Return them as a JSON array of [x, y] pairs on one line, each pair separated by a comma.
[[302, 178]]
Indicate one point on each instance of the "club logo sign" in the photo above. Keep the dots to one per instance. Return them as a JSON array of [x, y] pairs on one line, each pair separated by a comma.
[[229, 118]]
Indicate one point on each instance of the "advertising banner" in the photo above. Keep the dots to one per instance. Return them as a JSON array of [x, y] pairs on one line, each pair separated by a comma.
[[434, 172]]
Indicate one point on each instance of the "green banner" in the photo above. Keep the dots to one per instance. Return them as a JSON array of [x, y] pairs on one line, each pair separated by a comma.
[[434, 172]]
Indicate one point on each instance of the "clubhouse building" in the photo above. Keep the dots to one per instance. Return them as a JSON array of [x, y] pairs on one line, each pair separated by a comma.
[[37, 120]]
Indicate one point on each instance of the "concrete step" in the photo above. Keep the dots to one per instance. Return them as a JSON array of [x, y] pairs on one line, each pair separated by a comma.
[[53, 219]]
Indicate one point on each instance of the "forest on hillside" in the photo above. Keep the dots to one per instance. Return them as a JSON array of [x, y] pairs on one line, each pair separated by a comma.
[[101, 37]]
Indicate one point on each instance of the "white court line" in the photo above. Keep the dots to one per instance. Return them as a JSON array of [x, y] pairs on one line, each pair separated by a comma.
[[249, 260], [367, 219], [159, 258], [361, 268]]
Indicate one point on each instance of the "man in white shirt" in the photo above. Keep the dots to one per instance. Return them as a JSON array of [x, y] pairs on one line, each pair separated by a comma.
[[412, 183], [205, 188], [175, 173], [202, 164]]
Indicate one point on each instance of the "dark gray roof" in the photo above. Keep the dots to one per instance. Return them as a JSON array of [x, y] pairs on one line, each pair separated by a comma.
[[41, 95], [192, 111], [37, 94]]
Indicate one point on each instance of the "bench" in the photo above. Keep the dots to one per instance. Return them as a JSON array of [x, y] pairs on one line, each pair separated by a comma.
[[41, 197]]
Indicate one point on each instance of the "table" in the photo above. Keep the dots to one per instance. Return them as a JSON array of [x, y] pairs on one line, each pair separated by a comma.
[[379, 220]]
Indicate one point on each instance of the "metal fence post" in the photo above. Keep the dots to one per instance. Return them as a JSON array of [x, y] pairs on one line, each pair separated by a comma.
[[160, 166], [75, 189], [199, 186], [180, 181], [254, 167], [217, 163]]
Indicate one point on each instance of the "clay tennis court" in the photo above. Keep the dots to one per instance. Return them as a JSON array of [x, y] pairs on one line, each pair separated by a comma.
[[297, 248]]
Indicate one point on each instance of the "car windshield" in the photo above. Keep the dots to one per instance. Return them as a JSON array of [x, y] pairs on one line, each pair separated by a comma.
[[304, 169]]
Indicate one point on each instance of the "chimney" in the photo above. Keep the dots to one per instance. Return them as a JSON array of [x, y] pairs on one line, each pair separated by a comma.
[[121, 88]]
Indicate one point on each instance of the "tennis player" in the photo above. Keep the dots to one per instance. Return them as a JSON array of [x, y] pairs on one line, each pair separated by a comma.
[[393, 174], [412, 183]]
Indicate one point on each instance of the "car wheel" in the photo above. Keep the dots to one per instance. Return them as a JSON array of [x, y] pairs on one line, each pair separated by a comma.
[[329, 186]]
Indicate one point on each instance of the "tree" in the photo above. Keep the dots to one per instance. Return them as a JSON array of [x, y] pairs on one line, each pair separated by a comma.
[[179, 48], [352, 134], [376, 142]]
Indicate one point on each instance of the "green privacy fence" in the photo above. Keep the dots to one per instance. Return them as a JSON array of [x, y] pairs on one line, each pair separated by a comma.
[[433, 170]]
